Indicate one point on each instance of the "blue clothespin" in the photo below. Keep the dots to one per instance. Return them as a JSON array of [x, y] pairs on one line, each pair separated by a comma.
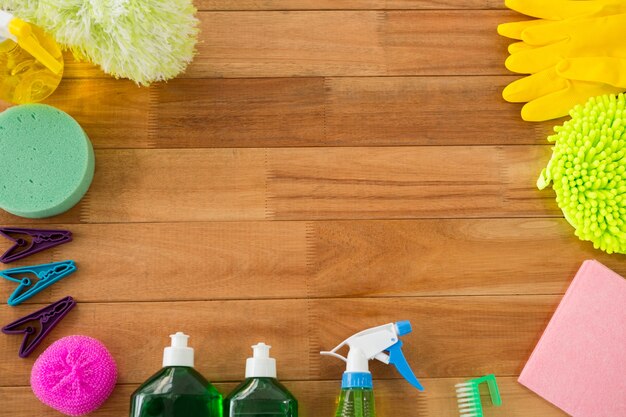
[[46, 274]]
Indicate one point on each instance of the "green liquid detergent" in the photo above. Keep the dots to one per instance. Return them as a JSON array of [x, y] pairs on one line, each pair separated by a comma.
[[261, 395], [356, 402], [177, 390]]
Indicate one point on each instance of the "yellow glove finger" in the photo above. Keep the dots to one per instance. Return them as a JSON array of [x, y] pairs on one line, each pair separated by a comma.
[[540, 35], [559, 104], [605, 70], [532, 60], [566, 9], [534, 86], [518, 47], [514, 30]]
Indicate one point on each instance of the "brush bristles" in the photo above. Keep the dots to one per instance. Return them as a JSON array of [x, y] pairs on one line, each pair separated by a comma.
[[468, 400]]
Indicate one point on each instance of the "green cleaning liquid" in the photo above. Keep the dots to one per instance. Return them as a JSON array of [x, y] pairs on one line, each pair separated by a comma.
[[356, 402], [260, 394], [177, 390]]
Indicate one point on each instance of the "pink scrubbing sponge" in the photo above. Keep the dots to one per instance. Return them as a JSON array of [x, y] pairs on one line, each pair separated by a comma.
[[75, 375]]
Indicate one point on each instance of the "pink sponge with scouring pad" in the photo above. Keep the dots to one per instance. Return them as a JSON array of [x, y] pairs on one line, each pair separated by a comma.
[[75, 375]]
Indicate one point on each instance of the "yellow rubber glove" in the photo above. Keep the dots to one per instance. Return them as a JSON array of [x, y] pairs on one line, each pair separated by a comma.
[[550, 11], [607, 70], [550, 95], [566, 9], [574, 38]]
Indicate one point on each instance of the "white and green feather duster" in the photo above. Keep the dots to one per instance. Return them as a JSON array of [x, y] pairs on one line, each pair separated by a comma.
[[144, 40]]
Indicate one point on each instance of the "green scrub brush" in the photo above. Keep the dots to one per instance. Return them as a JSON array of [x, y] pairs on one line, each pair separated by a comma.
[[588, 171], [468, 394], [145, 41]]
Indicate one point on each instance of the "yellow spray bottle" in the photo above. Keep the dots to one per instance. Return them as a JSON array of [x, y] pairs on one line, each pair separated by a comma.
[[31, 62]]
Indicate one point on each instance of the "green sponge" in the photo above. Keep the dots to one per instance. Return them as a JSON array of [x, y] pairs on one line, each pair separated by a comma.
[[588, 171], [46, 161]]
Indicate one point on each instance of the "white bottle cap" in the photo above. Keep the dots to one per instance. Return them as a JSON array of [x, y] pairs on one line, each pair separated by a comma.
[[179, 354], [261, 365]]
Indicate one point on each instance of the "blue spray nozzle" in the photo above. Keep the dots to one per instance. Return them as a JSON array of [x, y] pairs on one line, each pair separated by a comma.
[[403, 327], [396, 357]]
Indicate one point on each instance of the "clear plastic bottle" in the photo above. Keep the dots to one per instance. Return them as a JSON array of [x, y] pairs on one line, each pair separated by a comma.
[[31, 62], [356, 402], [260, 395], [177, 390]]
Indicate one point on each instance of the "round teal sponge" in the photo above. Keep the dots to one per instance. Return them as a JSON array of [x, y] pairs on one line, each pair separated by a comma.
[[46, 161], [588, 171]]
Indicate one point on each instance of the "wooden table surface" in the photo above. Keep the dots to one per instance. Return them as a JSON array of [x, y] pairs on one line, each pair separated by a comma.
[[324, 166]]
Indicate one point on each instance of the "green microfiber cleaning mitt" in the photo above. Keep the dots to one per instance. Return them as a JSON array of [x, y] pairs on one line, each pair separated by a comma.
[[588, 171], [144, 40]]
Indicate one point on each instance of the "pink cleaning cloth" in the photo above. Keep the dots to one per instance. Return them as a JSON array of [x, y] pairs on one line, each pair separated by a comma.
[[579, 364], [75, 375]]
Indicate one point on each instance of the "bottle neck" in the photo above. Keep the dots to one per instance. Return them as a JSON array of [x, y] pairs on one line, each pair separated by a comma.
[[358, 380], [7, 45]]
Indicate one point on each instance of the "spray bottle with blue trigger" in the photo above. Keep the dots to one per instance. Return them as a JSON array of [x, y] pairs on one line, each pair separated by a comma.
[[381, 343]]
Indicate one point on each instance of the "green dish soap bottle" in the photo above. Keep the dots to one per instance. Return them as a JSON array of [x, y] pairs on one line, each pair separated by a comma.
[[260, 395], [382, 343], [177, 390]]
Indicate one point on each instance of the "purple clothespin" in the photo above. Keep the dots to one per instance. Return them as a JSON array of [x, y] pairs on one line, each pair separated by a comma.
[[41, 323], [29, 241]]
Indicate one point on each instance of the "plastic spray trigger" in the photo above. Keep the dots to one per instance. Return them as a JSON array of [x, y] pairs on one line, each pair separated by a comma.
[[381, 343], [396, 357], [37, 325], [25, 37], [31, 241], [46, 274]]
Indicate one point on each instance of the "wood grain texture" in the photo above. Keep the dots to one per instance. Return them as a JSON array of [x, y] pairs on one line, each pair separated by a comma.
[[322, 167], [414, 182], [317, 398], [345, 4], [356, 43], [248, 260], [113, 113], [498, 333], [314, 183], [370, 111], [343, 43], [297, 112]]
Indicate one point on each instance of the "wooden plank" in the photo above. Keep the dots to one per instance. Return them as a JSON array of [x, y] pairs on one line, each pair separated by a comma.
[[277, 44], [113, 113], [446, 257], [314, 183], [346, 4], [425, 111], [177, 261], [370, 111], [497, 333], [297, 112], [317, 398], [415, 182], [343, 43], [160, 185], [316, 259], [240, 113]]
